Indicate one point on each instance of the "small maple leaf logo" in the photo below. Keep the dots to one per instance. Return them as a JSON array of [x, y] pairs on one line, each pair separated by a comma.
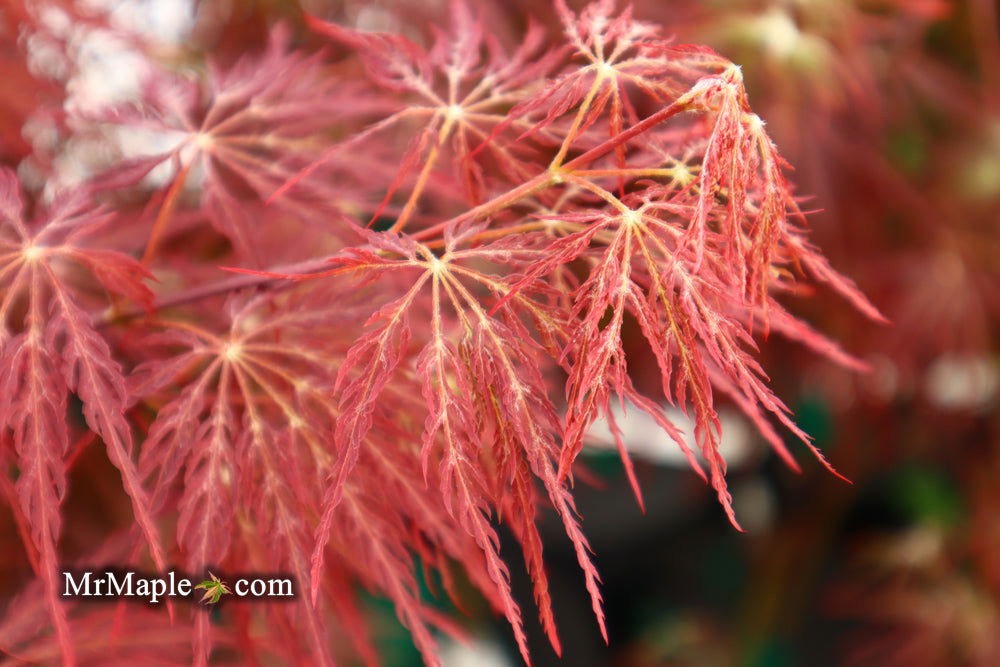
[[214, 589]]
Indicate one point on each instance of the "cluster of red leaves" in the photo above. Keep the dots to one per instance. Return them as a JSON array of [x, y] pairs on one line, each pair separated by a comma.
[[377, 406]]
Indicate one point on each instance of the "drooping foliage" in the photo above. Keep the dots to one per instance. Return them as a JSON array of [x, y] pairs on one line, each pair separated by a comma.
[[479, 221]]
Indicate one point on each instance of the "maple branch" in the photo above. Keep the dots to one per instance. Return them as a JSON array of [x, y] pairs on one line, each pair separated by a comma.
[[682, 104], [498, 203], [239, 281]]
